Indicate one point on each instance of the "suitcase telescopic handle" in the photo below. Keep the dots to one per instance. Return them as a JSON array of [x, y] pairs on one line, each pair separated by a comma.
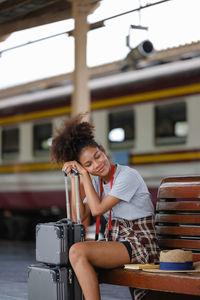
[[67, 198], [76, 177], [75, 172]]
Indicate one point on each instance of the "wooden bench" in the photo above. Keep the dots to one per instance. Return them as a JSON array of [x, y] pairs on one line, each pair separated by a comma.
[[177, 226]]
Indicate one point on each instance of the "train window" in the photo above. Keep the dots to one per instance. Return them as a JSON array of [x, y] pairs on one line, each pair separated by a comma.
[[10, 143], [121, 129], [42, 137], [171, 125]]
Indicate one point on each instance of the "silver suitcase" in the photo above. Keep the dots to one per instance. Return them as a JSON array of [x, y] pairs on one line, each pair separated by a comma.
[[54, 278], [49, 283], [54, 239]]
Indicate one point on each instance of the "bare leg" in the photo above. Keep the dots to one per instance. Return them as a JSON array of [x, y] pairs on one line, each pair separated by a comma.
[[87, 255]]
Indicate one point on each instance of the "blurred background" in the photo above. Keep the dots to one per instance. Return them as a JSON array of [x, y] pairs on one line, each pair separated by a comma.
[[134, 65]]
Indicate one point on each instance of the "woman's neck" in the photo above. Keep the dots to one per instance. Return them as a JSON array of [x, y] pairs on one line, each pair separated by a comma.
[[106, 179]]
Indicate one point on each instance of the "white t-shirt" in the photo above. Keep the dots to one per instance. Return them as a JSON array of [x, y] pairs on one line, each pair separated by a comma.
[[130, 188]]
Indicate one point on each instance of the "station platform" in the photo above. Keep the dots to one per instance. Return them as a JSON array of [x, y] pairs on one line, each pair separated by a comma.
[[15, 257]]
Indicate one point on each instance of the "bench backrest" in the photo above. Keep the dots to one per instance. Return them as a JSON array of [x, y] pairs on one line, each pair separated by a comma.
[[178, 214]]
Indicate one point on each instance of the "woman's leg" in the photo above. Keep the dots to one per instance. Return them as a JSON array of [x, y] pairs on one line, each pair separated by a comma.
[[87, 255]]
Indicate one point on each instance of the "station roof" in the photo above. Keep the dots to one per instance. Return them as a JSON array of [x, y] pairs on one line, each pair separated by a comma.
[[23, 14]]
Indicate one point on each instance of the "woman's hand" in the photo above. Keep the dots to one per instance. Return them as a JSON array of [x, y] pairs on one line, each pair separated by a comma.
[[73, 165]]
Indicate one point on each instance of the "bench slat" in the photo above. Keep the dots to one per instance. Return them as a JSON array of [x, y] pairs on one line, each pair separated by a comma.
[[178, 243], [180, 187], [178, 230], [196, 256], [175, 283], [178, 206], [178, 218]]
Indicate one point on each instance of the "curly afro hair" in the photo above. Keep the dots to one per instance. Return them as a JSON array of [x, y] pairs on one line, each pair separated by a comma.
[[71, 138]]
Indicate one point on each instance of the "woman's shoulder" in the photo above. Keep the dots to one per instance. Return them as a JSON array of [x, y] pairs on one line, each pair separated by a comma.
[[128, 174], [123, 169]]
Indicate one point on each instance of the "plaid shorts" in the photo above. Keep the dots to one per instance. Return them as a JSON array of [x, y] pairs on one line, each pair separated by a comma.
[[141, 235]]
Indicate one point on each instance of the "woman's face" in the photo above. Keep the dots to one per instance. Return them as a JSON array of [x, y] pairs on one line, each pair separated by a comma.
[[95, 161]]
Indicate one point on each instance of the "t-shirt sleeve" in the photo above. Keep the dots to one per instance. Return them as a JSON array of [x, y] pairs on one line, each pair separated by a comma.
[[126, 185]]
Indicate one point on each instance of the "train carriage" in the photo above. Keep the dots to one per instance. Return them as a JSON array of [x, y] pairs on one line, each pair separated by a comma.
[[147, 118]]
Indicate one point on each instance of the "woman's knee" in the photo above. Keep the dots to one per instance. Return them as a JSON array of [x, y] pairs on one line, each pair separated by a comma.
[[76, 253]]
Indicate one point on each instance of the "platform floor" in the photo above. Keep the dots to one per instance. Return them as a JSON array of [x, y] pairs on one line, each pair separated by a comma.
[[14, 260]]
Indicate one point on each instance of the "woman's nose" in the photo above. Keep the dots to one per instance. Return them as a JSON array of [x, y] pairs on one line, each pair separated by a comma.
[[96, 164]]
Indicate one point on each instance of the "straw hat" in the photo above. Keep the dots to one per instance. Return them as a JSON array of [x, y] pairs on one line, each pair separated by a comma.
[[176, 260]]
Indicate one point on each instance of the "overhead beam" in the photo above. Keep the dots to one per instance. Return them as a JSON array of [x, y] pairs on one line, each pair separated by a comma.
[[21, 8], [61, 10]]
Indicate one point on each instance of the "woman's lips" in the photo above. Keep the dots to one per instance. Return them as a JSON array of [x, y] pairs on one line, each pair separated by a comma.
[[101, 169]]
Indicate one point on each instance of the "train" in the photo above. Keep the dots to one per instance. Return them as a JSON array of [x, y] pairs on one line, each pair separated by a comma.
[[146, 118]]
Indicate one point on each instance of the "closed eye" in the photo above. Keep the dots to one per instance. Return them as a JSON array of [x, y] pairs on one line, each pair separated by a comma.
[[87, 165]]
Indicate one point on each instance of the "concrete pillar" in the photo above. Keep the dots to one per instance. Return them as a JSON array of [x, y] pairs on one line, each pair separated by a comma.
[[81, 95]]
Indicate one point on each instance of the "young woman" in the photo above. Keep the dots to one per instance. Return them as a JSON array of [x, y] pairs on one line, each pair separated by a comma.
[[113, 190]]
